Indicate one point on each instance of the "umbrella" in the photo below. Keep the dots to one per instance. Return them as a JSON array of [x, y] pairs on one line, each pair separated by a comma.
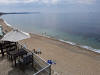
[[15, 36]]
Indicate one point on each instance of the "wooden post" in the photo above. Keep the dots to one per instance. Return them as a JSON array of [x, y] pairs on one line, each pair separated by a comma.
[[2, 51], [15, 61], [32, 60], [50, 70]]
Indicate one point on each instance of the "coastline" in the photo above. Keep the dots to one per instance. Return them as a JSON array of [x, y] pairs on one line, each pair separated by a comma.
[[70, 59], [65, 54], [61, 40], [88, 48]]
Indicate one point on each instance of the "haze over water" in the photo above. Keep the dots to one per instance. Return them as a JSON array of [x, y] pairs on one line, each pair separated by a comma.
[[80, 28]]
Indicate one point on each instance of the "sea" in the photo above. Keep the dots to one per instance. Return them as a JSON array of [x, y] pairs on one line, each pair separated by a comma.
[[81, 29]]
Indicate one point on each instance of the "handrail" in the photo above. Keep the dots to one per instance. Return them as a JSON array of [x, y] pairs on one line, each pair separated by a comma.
[[42, 70], [40, 58], [35, 54], [48, 65]]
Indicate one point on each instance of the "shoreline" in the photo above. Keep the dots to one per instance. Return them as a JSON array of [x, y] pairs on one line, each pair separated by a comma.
[[64, 52], [70, 59], [88, 48], [64, 41]]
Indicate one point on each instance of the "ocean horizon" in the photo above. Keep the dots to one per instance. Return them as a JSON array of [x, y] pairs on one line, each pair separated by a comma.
[[81, 29]]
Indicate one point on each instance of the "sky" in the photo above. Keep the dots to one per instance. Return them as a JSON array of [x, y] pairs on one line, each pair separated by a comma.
[[50, 5]]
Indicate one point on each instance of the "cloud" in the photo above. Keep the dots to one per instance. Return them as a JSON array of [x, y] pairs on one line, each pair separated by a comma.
[[48, 1], [86, 1], [17, 1]]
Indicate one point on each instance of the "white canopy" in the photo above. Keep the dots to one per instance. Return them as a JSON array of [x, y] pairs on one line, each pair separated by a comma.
[[15, 36]]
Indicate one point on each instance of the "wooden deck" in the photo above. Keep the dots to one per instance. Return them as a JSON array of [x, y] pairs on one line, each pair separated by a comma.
[[8, 68]]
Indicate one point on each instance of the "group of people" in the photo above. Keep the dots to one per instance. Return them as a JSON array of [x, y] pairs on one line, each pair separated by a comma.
[[37, 51]]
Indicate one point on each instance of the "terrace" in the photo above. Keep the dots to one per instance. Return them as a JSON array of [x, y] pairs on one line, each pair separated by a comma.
[[8, 67]]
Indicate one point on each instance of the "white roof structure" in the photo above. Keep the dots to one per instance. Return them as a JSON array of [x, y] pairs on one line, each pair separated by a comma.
[[15, 36]]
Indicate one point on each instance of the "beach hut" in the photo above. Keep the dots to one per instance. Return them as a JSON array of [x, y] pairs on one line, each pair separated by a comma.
[[15, 36]]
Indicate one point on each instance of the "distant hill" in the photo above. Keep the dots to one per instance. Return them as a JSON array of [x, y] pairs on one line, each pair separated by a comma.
[[3, 13]]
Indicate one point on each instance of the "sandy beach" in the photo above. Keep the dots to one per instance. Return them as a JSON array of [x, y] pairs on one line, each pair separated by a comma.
[[70, 60]]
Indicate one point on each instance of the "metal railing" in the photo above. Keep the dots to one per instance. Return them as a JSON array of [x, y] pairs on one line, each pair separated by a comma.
[[44, 71], [40, 65]]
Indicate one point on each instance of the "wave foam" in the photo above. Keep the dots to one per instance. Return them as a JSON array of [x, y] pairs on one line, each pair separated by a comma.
[[7, 24], [72, 43], [82, 46], [90, 48]]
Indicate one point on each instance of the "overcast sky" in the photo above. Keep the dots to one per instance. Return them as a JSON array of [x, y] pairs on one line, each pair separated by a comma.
[[50, 5]]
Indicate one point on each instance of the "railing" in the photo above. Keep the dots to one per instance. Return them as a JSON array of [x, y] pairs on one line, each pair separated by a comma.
[[40, 65], [44, 71]]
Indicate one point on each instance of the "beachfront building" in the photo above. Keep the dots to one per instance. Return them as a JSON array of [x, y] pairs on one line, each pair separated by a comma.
[[15, 59], [21, 67]]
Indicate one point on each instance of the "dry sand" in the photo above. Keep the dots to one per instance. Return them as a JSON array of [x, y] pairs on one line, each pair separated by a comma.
[[70, 60], [4, 26]]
